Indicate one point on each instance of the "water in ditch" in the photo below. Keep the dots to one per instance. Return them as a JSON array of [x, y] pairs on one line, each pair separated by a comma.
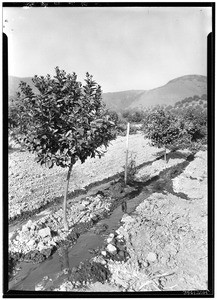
[[31, 274], [53, 268]]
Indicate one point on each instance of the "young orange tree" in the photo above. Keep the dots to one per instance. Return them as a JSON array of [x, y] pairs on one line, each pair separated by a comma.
[[184, 129], [64, 122], [163, 128]]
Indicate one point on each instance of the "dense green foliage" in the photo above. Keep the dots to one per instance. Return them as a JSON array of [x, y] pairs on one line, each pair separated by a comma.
[[12, 113], [133, 115], [191, 101], [65, 121], [194, 121], [113, 115], [162, 128], [184, 128]]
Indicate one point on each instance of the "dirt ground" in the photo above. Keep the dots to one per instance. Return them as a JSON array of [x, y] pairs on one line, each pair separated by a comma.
[[32, 186], [167, 243], [165, 237]]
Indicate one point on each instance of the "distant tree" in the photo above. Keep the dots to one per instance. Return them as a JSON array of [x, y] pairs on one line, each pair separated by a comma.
[[196, 97], [125, 114], [65, 122], [184, 100], [133, 115], [163, 129], [113, 115], [194, 123], [189, 100], [177, 129], [177, 104], [137, 116], [197, 107], [204, 97], [12, 113], [169, 107]]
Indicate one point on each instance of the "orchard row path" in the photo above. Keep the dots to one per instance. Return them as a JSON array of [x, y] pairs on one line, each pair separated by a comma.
[[32, 186]]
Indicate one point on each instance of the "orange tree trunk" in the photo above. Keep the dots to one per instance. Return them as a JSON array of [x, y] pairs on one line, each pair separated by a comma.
[[65, 222], [165, 155]]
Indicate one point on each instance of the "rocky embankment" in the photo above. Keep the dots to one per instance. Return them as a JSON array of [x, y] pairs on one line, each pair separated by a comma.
[[163, 243], [37, 240]]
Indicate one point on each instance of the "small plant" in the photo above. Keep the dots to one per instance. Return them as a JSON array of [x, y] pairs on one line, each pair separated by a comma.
[[131, 169]]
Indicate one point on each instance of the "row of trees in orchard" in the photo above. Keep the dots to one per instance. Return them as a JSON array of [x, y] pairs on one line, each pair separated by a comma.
[[67, 121]]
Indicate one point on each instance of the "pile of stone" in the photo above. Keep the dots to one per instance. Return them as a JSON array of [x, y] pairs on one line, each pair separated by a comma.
[[115, 247], [48, 232]]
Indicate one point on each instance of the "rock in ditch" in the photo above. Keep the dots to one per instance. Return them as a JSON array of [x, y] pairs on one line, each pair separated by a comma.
[[127, 219], [109, 240], [31, 243], [44, 232], [25, 228], [103, 253], [111, 249], [41, 246], [29, 224], [151, 257], [120, 236]]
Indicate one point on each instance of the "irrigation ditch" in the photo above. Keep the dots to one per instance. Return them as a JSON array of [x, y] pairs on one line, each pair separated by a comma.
[[73, 258]]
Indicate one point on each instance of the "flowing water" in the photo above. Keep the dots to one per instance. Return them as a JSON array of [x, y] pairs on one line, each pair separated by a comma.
[[31, 274]]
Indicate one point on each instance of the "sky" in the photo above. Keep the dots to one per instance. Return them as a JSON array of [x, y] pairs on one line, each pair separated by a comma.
[[124, 48]]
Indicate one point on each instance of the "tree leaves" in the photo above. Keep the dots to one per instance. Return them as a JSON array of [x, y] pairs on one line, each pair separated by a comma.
[[166, 129], [49, 164], [65, 121]]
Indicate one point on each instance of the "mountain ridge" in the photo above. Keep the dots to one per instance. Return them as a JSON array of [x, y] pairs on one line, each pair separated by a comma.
[[174, 90]]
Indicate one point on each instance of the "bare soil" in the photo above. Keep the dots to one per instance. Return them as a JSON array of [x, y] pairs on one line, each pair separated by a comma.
[[163, 243], [166, 240], [32, 186]]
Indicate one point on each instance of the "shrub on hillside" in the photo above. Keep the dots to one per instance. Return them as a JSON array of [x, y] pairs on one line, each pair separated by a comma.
[[196, 97], [204, 97]]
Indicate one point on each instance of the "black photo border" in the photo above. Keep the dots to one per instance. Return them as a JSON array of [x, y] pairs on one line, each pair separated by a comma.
[[209, 293]]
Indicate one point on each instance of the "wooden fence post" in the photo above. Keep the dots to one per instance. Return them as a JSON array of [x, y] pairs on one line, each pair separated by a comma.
[[127, 146]]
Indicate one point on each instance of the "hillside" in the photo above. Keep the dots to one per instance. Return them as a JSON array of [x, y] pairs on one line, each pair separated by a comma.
[[121, 100], [175, 90], [115, 101]]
